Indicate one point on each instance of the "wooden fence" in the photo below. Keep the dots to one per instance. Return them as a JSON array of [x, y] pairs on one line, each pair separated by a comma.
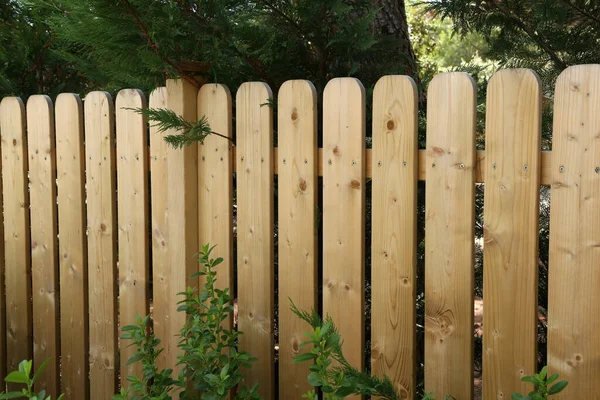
[[95, 206]]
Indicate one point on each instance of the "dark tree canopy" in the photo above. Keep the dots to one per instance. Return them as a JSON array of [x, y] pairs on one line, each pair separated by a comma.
[[137, 43]]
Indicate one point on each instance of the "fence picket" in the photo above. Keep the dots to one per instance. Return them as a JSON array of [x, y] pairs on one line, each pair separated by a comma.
[[574, 296], [215, 183], [344, 212], [19, 328], [132, 192], [70, 165], [297, 201], [182, 221], [254, 123], [511, 204], [160, 232], [450, 227], [102, 242], [394, 233], [44, 246]]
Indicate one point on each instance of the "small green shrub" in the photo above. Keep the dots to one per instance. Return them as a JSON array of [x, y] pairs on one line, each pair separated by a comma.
[[23, 376], [210, 364], [331, 373], [541, 384]]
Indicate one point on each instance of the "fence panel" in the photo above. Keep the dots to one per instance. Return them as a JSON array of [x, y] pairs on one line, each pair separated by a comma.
[[512, 192], [449, 245], [255, 231], [132, 201], [102, 242], [297, 200], [574, 295], [44, 246], [344, 212], [215, 183], [19, 327], [73, 265], [394, 231]]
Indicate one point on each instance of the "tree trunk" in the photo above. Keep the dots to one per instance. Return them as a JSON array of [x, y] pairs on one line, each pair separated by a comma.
[[391, 21]]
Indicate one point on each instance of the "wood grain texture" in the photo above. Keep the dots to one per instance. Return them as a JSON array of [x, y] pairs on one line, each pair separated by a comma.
[[44, 244], [297, 202], [215, 183], [73, 265], [182, 221], [450, 238], [132, 202], [19, 334], [254, 125], [573, 297], [102, 242], [3, 299], [511, 208], [344, 212], [161, 265], [394, 232]]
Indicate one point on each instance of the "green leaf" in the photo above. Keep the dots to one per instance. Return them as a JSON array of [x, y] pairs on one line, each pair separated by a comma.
[[39, 370], [134, 358], [17, 377], [314, 379], [304, 357], [11, 395], [558, 387]]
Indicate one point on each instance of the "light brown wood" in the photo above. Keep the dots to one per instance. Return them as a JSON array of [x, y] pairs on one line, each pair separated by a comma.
[[44, 245], [512, 165], [160, 229], [102, 242], [132, 192], [19, 336], [182, 223], [215, 183], [344, 212], [255, 232], [394, 232], [450, 239], [2, 275], [573, 296], [479, 165], [70, 172], [297, 201]]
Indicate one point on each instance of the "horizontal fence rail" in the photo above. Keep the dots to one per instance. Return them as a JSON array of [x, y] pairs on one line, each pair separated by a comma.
[[101, 221]]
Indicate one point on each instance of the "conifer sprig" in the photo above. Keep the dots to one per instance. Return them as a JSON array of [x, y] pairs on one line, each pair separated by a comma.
[[189, 132]]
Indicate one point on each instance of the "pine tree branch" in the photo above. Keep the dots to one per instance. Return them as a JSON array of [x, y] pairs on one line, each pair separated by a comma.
[[255, 64], [581, 11], [551, 53], [154, 46]]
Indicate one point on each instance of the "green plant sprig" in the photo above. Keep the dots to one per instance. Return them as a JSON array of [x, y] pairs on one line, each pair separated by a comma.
[[189, 132], [23, 376], [542, 386]]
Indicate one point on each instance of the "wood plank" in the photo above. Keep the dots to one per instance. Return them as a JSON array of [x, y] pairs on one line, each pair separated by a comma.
[[132, 201], [215, 183], [450, 227], [17, 251], [344, 212], [182, 221], [2, 285], [102, 242], [394, 232], [160, 228], [297, 201], [70, 169], [255, 232], [513, 124], [44, 244], [573, 297]]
